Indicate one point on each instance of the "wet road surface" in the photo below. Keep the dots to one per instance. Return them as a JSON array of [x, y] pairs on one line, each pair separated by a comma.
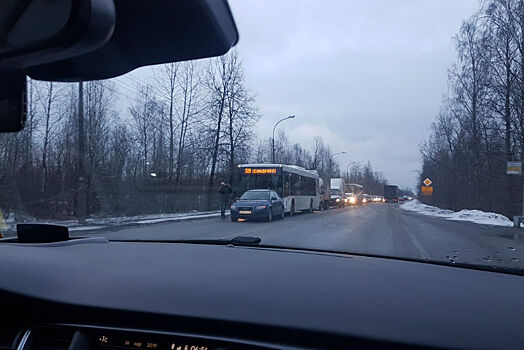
[[377, 229]]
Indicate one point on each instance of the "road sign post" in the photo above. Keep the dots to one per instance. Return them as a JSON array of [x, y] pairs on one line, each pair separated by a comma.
[[427, 189], [515, 168]]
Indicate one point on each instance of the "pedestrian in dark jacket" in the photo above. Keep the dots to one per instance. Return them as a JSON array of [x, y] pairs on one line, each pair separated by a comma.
[[225, 194]]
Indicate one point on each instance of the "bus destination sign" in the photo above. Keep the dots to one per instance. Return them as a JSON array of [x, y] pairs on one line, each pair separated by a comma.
[[260, 171]]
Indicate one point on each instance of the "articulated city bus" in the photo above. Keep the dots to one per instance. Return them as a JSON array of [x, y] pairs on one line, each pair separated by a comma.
[[298, 187]]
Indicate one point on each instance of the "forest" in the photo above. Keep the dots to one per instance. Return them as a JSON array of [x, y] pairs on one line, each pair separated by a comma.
[[480, 125], [131, 146]]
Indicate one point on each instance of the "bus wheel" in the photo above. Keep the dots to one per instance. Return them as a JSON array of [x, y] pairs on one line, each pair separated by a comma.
[[282, 214]]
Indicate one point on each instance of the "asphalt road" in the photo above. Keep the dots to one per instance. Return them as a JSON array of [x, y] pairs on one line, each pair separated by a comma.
[[378, 229]]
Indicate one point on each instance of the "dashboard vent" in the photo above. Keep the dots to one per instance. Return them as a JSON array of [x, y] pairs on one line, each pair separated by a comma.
[[9, 337], [47, 338]]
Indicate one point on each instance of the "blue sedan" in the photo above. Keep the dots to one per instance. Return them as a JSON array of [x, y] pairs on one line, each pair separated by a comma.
[[258, 204]]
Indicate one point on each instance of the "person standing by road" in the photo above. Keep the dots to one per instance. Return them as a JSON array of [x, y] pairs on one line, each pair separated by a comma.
[[225, 193]]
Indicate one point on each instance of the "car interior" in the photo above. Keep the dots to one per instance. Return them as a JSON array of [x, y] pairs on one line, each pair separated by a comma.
[[59, 292]]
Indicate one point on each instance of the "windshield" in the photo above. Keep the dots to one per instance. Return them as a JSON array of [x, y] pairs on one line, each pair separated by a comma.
[[255, 195], [417, 104]]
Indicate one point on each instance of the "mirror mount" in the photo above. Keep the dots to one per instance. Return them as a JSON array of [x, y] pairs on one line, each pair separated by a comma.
[[13, 102]]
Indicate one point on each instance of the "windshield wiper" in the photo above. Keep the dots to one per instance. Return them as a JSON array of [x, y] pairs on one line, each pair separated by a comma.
[[237, 241]]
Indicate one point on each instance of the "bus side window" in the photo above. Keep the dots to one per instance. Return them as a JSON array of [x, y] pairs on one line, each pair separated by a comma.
[[312, 187], [296, 185], [280, 185], [287, 185]]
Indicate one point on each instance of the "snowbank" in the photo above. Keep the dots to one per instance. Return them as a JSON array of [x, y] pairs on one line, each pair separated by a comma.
[[9, 226], [476, 216]]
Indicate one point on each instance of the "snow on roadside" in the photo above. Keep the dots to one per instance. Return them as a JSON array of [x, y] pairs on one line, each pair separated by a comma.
[[180, 218], [476, 216], [9, 227]]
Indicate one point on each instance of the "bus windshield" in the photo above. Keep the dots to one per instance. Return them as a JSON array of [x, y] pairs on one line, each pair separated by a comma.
[[270, 182]]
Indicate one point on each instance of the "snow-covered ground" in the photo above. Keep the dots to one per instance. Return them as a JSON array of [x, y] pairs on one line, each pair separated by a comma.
[[476, 216], [9, 225]]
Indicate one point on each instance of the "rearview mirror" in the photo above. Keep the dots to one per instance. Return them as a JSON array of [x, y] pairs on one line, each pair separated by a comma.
[[151, 32], [35, 32], [80, 40]]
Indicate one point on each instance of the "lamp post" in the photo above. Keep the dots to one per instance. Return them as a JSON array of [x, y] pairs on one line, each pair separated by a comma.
[[273, 138], [347, 169], [330, 164]]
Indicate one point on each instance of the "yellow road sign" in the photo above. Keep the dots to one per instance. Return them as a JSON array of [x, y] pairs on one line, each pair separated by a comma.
[[426, 190], [427, 182]]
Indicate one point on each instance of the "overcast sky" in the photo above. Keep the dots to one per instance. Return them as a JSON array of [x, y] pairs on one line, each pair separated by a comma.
[[368, 76]]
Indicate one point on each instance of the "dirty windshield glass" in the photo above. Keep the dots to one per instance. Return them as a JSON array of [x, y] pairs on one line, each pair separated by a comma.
[[415, 108]]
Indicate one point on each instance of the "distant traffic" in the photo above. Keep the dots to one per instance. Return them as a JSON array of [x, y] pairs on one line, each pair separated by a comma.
[[273, 191]]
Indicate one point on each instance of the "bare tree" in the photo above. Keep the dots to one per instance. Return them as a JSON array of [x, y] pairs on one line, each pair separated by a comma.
[[51, 119], [220, 76], [166, 82], [189, 82], [143, 114]]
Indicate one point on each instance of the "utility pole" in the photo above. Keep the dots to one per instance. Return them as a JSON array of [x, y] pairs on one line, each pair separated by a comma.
[[81, 156]]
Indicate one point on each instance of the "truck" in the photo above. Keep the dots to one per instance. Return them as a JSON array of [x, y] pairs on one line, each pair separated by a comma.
[[391, 193], [337, 192]]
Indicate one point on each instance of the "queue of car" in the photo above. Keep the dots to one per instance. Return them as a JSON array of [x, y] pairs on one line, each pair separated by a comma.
[[272, 191]]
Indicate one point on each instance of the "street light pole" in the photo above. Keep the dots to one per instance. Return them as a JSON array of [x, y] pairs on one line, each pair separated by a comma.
[[347, 169], [330, 163], [273, 138]]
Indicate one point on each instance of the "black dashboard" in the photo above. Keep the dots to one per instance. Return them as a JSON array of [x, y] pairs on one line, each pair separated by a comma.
[[162, 296]]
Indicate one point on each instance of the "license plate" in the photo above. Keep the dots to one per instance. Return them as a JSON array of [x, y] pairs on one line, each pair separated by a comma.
[[245, 212]]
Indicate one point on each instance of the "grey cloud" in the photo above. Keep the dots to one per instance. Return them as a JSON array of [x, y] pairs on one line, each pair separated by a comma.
[[368, 73]]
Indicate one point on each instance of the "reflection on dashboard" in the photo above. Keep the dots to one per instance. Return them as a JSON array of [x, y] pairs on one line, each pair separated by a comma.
[[141, 341], [97, 338]]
